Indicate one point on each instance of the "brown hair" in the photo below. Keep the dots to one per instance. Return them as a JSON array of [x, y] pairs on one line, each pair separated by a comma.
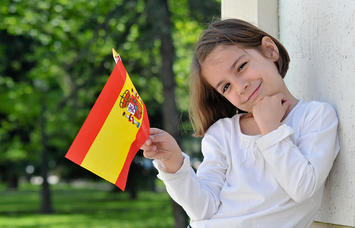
[[206, 104]]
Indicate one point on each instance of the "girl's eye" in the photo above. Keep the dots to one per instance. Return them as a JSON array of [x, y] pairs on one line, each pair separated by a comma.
[[225, 88], [242, 66]]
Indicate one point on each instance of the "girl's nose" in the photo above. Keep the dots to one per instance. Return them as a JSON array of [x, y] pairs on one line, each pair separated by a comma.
[[242, 85]]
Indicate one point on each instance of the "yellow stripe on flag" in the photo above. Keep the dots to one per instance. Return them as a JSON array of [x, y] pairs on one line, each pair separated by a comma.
[[109, 150]]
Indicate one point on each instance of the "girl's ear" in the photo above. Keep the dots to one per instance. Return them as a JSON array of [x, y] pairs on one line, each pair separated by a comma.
[[269, 48]]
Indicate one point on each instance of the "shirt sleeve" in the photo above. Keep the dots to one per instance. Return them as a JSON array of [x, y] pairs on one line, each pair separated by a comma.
[[197, 193], [302, 170]]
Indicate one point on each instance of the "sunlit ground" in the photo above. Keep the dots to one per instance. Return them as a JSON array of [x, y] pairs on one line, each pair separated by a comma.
[[87, 206]]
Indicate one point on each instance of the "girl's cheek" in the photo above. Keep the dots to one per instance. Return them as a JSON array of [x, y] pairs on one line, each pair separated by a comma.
[[235, 102], [231, 99]]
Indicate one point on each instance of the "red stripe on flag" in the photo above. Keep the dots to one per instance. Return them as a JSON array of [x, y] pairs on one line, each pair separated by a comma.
[[141, 137], [97, 115]]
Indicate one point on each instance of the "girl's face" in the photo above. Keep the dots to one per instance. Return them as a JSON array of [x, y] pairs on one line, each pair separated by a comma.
[[244, 75]]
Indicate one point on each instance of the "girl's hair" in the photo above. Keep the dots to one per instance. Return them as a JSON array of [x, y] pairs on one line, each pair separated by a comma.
[[206, 104]]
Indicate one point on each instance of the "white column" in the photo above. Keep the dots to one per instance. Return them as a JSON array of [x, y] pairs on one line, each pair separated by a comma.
[[320, 38], [262, 13]]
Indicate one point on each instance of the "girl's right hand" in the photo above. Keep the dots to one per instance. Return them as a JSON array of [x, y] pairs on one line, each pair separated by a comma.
[[269, 111], [162, 146]]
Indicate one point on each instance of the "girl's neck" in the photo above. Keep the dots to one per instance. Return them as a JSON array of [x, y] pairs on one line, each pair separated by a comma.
[[293, 102]]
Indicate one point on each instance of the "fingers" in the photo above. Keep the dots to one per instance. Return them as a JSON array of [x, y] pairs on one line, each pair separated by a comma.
[[155, 152], [147, 145], [159, 145], [155, 131], [258, 99], [280, 96], [158, 135], [285, 105], [151, 154], [150, 147], [280, 102], [283, 101]]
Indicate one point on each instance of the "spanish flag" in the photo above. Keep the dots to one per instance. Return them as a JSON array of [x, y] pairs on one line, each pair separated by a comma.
[[115, 129]]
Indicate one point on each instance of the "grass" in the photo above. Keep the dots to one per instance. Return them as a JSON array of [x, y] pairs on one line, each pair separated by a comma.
[[85, 207]]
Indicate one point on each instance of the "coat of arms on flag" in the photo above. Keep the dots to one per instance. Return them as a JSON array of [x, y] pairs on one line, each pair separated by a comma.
[[115, 129]]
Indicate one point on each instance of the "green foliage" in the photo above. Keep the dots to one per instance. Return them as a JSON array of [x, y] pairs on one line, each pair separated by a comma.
[[55, 58]]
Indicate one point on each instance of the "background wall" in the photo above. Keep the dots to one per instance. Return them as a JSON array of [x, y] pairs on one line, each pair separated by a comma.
[[320, 38], [263, 13]]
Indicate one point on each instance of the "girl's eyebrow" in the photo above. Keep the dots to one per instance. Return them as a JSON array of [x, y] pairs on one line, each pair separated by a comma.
[[231, 69]]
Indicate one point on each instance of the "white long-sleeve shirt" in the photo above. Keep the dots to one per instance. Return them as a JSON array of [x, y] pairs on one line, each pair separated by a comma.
[[275, 180]]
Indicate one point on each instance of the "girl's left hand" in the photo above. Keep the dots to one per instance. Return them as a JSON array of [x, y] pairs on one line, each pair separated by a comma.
[[269, 111]]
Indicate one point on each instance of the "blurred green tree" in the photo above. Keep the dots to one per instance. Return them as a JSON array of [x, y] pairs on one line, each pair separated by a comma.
[[56, 56]]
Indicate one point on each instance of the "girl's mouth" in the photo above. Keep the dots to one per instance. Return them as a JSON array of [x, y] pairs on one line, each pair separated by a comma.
[[255, 91]]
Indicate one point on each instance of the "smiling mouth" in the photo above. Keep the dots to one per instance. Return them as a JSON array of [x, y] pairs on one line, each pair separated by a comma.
[[256, 90]]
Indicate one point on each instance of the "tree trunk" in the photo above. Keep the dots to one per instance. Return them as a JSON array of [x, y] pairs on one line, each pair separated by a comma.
[[170, 112], [12, 180], [46, 203]]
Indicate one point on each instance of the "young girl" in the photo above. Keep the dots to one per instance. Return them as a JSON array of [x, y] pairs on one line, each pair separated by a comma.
[[266, 154]]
